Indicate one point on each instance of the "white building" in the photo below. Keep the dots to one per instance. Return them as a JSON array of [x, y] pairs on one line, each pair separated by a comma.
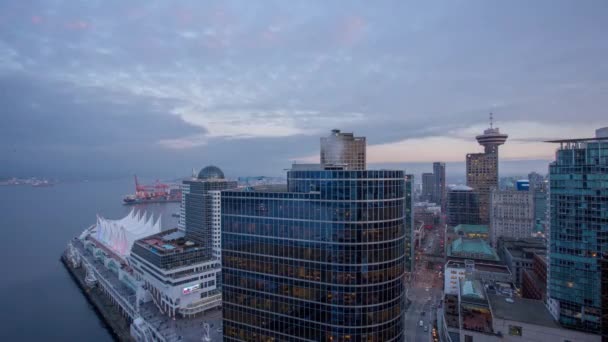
[[180, 279], [150, 276], [181, 223], [512, 214], [455, 271], [119, 235], [216, 222]]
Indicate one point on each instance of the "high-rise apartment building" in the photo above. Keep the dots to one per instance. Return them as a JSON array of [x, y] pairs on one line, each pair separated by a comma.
[[181, 268], [482, 168], [512, 214], [439, 191], [344, 149], [578, 180], [482, 176], [320, 259], [462, 205], [201, 207], [428, 187], [433, 185]]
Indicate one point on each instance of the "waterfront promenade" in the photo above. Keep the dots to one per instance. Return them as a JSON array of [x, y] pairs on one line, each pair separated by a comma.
[[170, 329]]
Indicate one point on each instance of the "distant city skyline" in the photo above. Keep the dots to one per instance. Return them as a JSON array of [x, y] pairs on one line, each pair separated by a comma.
[[455, 172]]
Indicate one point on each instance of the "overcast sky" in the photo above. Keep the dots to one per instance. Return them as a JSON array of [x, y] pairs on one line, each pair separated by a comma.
[[109, 88]]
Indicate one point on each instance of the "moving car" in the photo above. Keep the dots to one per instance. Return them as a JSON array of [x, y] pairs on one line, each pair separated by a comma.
[[421, 323]]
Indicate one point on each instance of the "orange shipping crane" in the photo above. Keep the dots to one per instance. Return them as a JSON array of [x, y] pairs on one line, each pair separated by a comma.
[[156, 193]]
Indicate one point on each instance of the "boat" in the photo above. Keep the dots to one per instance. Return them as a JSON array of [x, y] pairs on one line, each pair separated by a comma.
[[157, 193], [130, 199], [42, 183]]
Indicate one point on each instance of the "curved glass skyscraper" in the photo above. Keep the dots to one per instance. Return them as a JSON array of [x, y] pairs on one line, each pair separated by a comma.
[[321, 259]]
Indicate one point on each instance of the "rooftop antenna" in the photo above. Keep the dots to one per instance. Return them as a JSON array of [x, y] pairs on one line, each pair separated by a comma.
[[491, 120]]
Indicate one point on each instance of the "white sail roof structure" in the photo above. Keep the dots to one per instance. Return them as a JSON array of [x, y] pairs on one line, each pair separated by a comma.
[[119, 235]]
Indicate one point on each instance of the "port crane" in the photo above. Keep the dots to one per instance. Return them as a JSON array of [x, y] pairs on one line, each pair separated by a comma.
[[154, 193], [158, 189]]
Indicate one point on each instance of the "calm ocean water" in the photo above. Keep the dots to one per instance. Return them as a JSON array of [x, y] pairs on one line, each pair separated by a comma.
[[40, 302]]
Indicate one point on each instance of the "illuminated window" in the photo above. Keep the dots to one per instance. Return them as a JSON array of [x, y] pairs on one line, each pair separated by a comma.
[[514, 330]]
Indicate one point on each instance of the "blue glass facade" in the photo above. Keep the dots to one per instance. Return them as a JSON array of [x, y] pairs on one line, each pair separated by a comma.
[[409, 222], [540, 210], [322, 261], [578, 231]]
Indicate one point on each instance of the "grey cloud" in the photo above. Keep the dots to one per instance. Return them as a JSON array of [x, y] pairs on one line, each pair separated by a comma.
[[390, 71], [56, 128], [41, 112]]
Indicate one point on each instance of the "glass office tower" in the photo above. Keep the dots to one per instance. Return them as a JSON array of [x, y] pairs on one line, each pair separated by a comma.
[[320, 259], [578, 202], [604, 268], [462, 206], [409, 223]]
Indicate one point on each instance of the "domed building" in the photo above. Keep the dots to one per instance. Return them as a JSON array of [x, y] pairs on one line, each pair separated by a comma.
[[193, 248], [210, 172], [200, 209]]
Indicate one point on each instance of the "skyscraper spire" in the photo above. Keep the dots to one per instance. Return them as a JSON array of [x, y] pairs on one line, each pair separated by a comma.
[[491, 120]]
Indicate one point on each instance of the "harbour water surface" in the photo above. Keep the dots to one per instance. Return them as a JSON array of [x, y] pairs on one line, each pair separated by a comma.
[[40, 302]]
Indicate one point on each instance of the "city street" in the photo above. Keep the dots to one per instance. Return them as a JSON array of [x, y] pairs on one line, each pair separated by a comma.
[[424, 291]]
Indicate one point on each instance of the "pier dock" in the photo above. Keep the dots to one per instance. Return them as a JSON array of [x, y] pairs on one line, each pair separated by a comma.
[[109, 313]]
